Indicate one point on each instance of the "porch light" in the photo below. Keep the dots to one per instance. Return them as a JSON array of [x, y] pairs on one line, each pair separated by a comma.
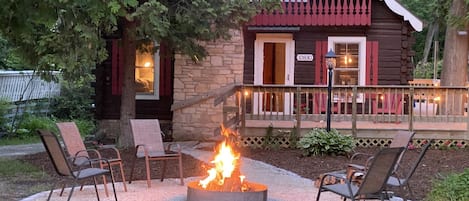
[[331, 63]]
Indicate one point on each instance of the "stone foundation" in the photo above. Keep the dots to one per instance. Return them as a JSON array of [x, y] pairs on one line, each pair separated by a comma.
[[223, 66]]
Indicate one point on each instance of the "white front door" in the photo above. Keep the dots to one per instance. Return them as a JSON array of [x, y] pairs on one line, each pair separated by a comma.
[[274, 65]]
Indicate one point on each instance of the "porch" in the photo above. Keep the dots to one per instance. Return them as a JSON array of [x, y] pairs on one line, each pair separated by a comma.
[[369, 113]]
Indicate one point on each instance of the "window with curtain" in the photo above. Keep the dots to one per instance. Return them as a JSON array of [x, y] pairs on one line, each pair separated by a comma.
[[146, 71]]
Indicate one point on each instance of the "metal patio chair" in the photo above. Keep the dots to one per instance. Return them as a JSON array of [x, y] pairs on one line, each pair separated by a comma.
[[374, 181], [401, 182], [64, 169], [149, 145], [76, 148], [401, 139]]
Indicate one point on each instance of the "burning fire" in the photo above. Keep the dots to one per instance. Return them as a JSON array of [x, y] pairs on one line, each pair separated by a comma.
[[226, 161]]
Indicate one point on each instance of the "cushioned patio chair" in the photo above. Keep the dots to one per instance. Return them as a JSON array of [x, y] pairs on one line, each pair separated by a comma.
[[64, 169], [373, 182], [149, 145], [401, 182], [77, 149]]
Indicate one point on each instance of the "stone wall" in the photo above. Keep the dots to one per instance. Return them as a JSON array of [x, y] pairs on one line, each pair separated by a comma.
[[222, 66]]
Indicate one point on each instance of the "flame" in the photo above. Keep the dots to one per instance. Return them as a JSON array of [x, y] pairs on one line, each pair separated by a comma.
[[225, 161]]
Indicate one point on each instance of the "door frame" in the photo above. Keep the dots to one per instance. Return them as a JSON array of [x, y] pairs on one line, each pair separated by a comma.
[[262, 38]]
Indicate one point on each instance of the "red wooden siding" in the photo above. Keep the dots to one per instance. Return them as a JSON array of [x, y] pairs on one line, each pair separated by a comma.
[[317, 13], [371, 63], [320, 64], [117, 67]]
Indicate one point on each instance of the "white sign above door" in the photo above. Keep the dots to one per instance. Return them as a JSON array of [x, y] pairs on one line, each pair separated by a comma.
[[304, 57]]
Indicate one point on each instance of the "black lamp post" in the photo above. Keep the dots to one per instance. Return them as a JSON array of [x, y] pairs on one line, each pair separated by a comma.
[[331, 62]]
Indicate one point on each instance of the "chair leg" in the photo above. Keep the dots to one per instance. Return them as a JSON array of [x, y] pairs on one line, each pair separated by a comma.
[[163, 170], [180, 170], [147, 167], [96, 187], [105, 185], [62, 191], [51, 190], [410, 191], [102, 166], [71, 190], [132, 170], [123, 176], [320, 188], [114, 186]]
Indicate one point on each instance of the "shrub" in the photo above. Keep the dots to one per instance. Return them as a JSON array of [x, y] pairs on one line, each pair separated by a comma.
[[74, 101], [320, 142], [4, 105], [86, 127], [453, 187], [29, 124]]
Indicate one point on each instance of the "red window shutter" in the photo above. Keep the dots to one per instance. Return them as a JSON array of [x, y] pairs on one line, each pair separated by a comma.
[[165, 70], [320, 63], [371, 63], [117, 67]]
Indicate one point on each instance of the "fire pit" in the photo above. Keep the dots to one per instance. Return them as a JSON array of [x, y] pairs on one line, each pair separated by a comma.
[[225, 181], [195, 192]]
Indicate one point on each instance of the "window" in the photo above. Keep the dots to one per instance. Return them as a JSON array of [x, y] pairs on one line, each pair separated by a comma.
[[346, 71], [147, 66], [350, 66]]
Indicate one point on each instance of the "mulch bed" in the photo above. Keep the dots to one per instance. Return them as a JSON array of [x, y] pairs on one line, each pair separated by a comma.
[[435, 164]]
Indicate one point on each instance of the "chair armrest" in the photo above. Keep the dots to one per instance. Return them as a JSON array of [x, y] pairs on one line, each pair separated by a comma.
[[342, 176], [359, 154], [178, 149], [90, 153], [141, 146], [75, 158], [112, 149], [90, 162], [87, 154]]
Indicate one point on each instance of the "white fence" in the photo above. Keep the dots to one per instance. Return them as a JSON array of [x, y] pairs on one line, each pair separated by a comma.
[[24, 85]]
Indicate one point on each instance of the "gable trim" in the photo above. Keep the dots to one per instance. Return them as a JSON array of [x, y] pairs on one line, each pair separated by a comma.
[[408, 16]]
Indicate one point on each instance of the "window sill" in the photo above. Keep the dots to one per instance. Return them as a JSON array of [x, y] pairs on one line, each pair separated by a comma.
[[146, 97]]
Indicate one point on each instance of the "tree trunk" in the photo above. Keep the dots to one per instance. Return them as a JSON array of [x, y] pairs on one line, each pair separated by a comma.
[[128, 86], [428, 41], [454, 60]]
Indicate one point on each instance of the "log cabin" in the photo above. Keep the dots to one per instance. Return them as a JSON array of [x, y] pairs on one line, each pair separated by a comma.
[[372, 40]]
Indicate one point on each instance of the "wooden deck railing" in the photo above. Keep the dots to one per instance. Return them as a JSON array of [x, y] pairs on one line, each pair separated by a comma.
[[317, 13], [403, 105]]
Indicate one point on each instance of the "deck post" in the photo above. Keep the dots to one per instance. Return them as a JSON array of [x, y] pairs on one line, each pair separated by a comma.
[[411, 108], [243, 110], [354, 111], [298, 110], [467, 116]]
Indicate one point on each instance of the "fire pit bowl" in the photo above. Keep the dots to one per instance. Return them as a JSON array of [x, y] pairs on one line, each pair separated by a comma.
[[257, 192]]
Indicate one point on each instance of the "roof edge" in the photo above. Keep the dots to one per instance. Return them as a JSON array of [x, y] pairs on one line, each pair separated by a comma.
[[397, 8]]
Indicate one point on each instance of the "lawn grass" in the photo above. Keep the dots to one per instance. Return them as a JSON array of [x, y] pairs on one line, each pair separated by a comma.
[[13, 167], [17, 141], [19, 179]]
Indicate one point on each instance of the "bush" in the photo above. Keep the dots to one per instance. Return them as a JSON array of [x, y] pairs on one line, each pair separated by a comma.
[[86, 127], [453, 187], [29, 124], [4, 105], [74, 102], [320, 142]]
